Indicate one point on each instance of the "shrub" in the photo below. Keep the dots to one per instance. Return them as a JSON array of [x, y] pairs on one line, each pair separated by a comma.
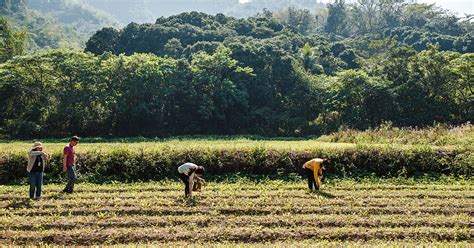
[[126, 164]]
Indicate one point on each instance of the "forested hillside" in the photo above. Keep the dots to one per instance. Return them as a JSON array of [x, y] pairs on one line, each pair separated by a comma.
[[289, 72], [146, 11], [53, 24], [69, 23]]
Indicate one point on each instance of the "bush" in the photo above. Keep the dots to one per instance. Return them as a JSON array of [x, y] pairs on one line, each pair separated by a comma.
[[386, 133], [123, 164]]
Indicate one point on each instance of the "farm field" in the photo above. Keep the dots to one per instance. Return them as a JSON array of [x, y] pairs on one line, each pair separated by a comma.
[[55, 147], [243, 212], [448, 139]]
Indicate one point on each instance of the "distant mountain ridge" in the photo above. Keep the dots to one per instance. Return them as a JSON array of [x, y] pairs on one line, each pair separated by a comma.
[[55, 23], [141, 11]]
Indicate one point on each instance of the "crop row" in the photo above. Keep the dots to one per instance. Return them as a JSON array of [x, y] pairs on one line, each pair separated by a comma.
[[108, 220], [220, 233], [241, 210], [240, 200], [150, 196], [273, 211], [243, 185], [265, 184]]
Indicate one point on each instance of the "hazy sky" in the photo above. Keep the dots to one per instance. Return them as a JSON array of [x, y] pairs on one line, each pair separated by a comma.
[[459, 6]]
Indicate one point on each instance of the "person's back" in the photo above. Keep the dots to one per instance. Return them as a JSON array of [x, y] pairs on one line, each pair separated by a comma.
[[186, 168], [314, 169], [187, 172], [315, 165]]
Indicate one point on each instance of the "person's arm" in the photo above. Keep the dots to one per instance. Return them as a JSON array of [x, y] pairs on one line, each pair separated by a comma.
[[35, 153], [65, 162], [316, 175], [46, 156]]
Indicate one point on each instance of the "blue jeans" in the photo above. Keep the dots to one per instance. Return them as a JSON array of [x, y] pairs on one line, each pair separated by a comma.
[[71, 174], [36, 181]]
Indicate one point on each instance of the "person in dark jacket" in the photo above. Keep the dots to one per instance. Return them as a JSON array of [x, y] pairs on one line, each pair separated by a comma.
[[36, 163]]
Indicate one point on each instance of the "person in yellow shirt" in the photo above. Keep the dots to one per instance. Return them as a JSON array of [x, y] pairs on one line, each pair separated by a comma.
[[314, 170]]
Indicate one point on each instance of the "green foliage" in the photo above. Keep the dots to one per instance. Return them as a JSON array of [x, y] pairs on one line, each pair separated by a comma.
[[359, 101], [196, 73], [336, 20], [154, 161], [386, 133], [427, 82], [300, 19], [53, 24], [12, 43]]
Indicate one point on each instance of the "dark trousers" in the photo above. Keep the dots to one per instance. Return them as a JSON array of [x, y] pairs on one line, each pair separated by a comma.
[[71, 174], [185, 179], [311, 179], [36, 182]]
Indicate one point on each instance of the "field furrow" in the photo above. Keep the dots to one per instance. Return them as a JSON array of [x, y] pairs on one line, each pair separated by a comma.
[[275, 211]]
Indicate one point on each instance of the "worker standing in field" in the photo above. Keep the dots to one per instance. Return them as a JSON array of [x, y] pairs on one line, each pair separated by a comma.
[[36, 163], [186, 173], [69, 164], [314, 170]]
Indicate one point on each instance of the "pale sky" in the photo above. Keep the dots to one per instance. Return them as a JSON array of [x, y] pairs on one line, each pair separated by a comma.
[[459, 6]]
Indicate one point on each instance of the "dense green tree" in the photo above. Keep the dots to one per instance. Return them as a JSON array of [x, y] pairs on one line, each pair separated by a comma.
[[300, 19], [371, 16], [104, 40], [12, 42], [196, 73], [219, 88], [337, 17], [360, 101]]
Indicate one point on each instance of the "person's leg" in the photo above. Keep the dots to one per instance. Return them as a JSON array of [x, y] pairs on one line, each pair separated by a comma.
[[185, 180], [73, 178], [309, 174], [32, 178], [39, 184], [71, 172], [317, 183], [68, 184]]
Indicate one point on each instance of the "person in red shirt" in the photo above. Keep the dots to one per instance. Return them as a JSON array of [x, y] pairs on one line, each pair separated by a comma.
[[69, 164]]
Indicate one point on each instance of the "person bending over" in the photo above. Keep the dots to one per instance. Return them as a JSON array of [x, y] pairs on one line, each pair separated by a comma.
[[187, 172], [314, 170]]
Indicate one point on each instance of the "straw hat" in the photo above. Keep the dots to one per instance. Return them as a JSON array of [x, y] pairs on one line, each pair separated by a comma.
[[37, 144]]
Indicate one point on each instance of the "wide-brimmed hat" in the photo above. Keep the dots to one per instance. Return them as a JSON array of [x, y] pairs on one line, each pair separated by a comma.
[[37, 144]]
